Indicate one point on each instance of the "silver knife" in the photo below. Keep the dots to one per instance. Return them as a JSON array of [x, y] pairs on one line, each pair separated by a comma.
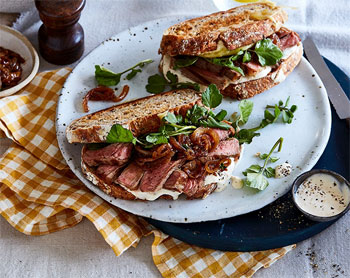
[[335, 93]]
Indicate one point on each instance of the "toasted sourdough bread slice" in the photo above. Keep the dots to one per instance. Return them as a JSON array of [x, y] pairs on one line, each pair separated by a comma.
[[140, 116], [251, 88], [237, 27]]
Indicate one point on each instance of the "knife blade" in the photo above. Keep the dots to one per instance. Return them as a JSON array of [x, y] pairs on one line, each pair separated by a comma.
[[335, 93]]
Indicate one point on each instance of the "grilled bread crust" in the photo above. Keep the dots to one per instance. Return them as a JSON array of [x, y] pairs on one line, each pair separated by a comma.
[[140, 116], [236, 27], [251, 88]]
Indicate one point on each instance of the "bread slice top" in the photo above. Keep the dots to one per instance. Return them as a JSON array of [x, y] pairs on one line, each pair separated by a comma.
[[235, 28], [140, 116]]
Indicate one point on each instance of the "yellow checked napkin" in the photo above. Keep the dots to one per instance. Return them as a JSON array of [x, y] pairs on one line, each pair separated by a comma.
[[40, 195]]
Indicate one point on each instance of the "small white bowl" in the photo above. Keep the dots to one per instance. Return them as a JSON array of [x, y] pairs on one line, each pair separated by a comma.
[[15, 41]]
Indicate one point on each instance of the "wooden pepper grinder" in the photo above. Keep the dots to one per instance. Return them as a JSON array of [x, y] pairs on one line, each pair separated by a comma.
[[61, 37]]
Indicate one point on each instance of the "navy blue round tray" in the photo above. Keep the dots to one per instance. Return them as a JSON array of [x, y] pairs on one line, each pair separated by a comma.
[[280, 223]]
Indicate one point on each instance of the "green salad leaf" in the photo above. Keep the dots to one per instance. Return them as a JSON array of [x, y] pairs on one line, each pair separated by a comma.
[[211, 97], [119, 134], [107, 77], [157, 83], [256, 174], [185, 61], [268, 53]]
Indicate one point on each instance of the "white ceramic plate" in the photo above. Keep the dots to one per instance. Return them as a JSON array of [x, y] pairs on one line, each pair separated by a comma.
[[15, 41], [304, 140]]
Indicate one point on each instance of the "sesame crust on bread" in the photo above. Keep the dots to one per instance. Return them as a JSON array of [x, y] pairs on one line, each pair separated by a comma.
[[236, 27]]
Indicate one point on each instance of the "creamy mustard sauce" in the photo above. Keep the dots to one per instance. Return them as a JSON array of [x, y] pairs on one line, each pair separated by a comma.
[[322, 195]]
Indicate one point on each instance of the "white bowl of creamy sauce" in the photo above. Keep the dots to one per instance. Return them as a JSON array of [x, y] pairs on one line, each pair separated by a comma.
[[322, 195]]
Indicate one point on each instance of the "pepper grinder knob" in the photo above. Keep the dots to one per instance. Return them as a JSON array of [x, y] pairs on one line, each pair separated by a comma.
[[61, 37]]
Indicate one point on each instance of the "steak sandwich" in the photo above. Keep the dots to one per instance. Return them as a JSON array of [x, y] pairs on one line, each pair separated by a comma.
[[243, 51], [159, 146]]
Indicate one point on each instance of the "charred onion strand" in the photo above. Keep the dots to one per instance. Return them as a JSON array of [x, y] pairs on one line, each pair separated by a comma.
[[231, 127], [205, 137], [103, 93], [214, 165], [123, 94], [194, 169], [161, 151], [142, 151]]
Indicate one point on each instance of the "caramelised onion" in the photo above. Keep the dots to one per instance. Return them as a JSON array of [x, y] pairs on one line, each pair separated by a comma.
[[206, 138], [189, 153], [162, 150], [231, 127], [214, 165], [193, 168]]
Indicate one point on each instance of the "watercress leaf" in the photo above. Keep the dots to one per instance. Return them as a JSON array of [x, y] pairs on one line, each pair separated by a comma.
[[194, 114], [227, 62], [285, 117], [263, 156], [236, 56], [105, 77], [280, 103], [277, 113], [287, 101], [156, 138], [171, 118], [269, 172], [293, 108], [268, 53], [132, 74], [171, 77], [220, 116], [246, 136], [119, 134], [156, 84], [185, 62], [264, 123], [211, 122], [211, 97], [245, 108], [269, 116], [274, 159], [247, 57], [253, 168], [256, 180], [179, 118]]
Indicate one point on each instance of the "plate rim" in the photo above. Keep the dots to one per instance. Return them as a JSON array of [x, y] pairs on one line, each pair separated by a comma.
[[178, 219], [35, 57]]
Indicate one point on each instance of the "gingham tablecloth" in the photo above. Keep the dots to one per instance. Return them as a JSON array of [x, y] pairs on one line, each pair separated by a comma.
[[40, 195]]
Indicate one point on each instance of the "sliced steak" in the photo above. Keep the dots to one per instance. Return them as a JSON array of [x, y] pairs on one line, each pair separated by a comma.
[[289, 40], [131, 176], [231, 74], [193, 76], [114, 154], [154, 178], [252, 68], [211, 77], [108, 172], [176, 181], [223, 133], [203, 64], [193, 186], [226, 148]]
